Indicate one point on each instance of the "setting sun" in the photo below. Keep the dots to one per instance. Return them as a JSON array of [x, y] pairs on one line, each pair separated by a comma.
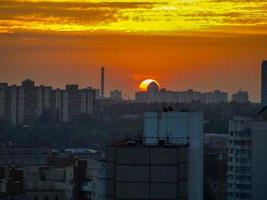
[[144, 84]]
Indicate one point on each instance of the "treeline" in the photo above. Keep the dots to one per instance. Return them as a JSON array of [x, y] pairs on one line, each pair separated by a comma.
[[94, 132], [84, 131]]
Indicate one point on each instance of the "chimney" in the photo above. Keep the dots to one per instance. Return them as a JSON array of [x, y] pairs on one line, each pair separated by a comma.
[[102, 82]]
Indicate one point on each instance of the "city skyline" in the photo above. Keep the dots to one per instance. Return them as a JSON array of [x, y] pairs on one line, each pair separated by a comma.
[[133, 99], [196, 44], [174, 78], [142, 88]]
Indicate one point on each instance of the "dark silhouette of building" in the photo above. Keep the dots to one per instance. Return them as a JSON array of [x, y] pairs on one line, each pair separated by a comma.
[[240, 97], [264, 82], [25, 103]]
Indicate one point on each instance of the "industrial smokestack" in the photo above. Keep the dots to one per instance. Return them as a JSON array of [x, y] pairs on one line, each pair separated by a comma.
[[102, 81]]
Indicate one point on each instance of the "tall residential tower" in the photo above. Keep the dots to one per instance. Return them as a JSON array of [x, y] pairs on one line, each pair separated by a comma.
[[247, 175], [264, 82]]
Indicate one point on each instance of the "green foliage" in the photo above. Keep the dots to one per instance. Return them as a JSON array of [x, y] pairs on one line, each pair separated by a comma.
[[94, 132]]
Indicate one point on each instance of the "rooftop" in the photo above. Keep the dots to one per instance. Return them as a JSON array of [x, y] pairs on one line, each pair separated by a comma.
[[139, 142]]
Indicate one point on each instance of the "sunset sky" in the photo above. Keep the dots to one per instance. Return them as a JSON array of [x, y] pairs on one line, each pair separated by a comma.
[[199, 44]]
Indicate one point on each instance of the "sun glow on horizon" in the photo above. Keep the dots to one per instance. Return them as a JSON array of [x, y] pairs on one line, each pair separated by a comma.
[[145, 83]]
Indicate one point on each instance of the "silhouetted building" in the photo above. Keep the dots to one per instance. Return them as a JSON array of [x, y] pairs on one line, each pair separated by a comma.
[[214, 97], [166, 163], [23, 104], [239, 174], [259, 160], [20, 157], [215, 166], [116, 95], [247, 175], [155, 95], [240, 97], [76, 101], [264, 82], [63, 179], [139, 171], [11, 182]]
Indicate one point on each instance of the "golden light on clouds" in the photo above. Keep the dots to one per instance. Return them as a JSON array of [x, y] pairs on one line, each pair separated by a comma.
[[151, 16]]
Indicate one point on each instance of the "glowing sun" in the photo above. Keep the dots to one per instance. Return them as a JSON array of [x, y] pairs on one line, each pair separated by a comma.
[[145, 83]]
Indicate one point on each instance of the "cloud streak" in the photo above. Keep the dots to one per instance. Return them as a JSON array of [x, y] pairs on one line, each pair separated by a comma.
[[135, 16]]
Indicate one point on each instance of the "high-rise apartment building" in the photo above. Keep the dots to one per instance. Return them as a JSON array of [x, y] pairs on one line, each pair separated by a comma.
[[259, 160], [239, 174], [24, 103], [264, 82], [247, 175]]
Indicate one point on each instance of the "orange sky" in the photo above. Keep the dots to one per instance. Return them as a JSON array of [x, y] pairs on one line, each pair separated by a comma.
[[199, 44]]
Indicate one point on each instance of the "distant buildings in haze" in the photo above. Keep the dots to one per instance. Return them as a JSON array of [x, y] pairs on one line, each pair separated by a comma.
[[24, 103], [156, 95], [116, 95], [240, 97]]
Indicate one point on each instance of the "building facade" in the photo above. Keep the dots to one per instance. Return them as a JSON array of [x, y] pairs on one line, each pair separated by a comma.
[[247, 175], [166, 163], [239, 174], [259, 160], [215, 166], [180, 128], [137, 171]]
